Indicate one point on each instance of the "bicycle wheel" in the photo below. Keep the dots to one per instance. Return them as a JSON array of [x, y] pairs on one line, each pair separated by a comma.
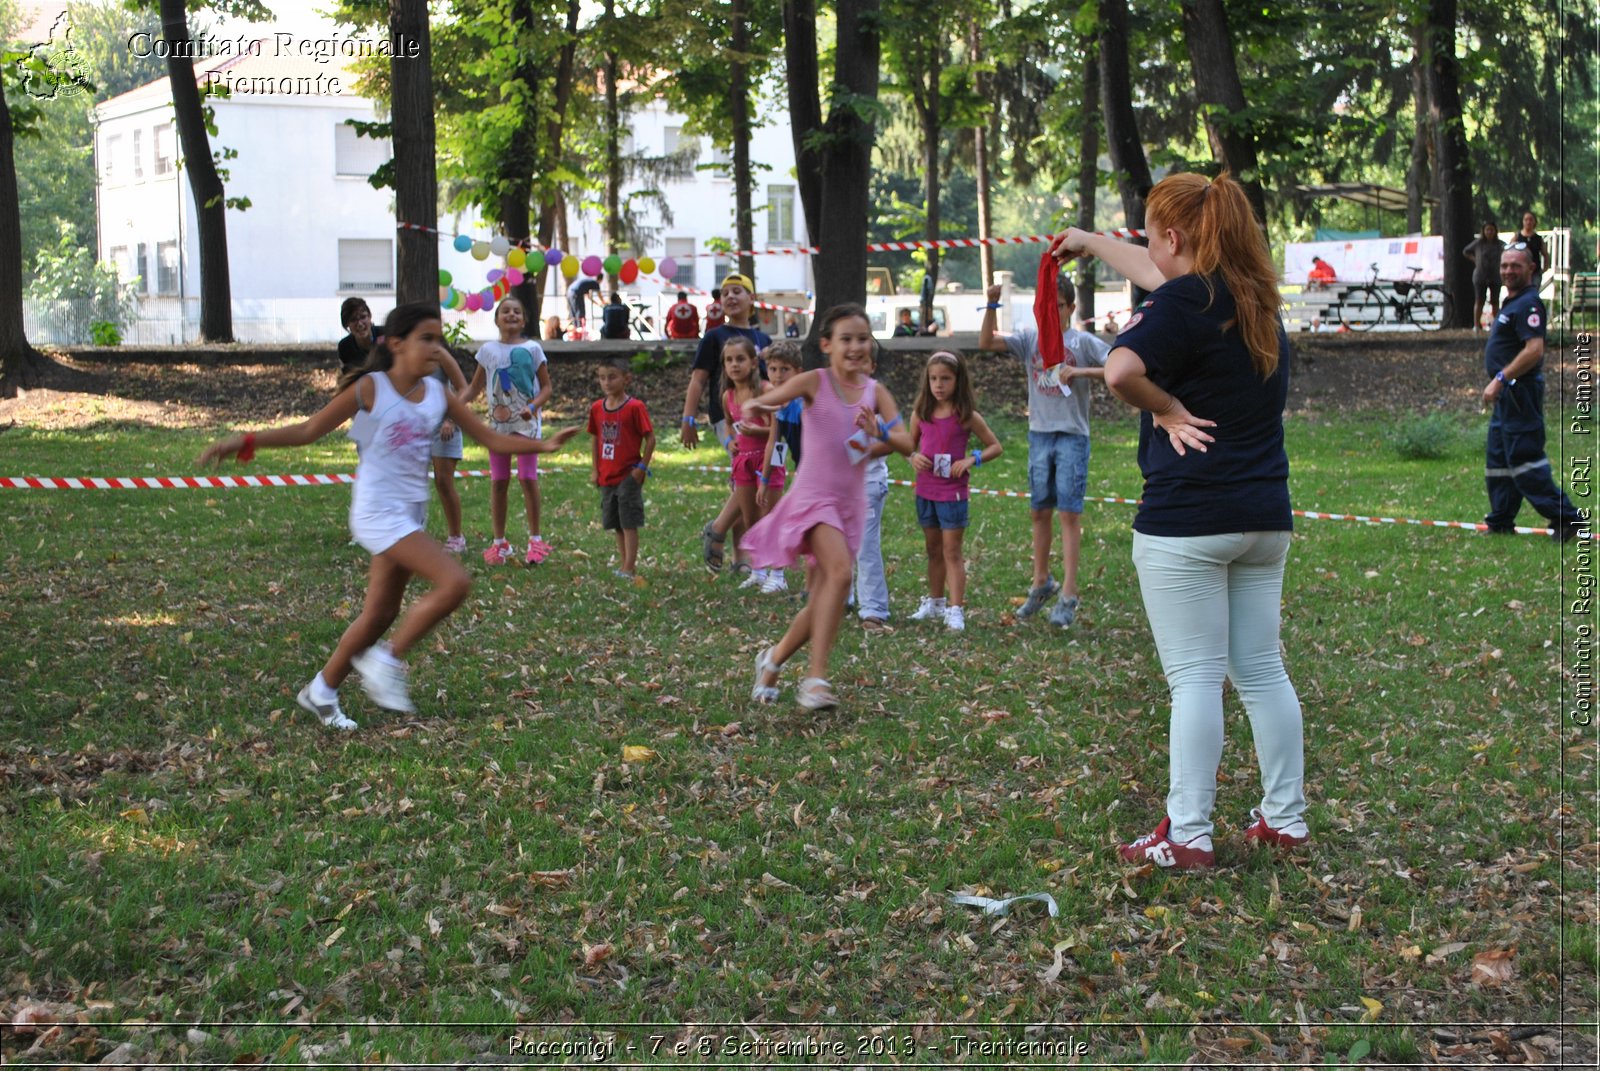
[[1362, 308], [1431, 308]]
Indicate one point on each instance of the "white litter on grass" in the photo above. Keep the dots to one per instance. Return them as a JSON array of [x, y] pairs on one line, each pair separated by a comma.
[[1003, 907]]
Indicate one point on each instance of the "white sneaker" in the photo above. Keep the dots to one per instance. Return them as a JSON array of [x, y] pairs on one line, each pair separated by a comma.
[[328, 713], [756, 578], [955, 619], [774, 583], [928, 609], [387, 683]]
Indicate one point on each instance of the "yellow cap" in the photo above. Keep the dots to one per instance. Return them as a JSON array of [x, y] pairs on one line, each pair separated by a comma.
[[735, 279]]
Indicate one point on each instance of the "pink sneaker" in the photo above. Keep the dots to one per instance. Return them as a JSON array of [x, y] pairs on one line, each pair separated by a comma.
[[1156, 847], [1294, 835], [538, 551], [456, 544], [499, 553]]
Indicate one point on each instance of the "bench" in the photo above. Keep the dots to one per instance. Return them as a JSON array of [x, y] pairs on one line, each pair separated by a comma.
[[1583, 302]]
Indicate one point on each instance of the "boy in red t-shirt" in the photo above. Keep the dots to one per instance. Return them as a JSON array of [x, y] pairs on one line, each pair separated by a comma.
[[683, 319], [624, 442]]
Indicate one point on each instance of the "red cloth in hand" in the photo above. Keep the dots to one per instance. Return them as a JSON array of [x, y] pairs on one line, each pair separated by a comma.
[[1047, 314]]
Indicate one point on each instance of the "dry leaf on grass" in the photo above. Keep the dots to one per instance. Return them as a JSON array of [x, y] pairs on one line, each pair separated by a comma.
[[636, 753], [594, 955], [1495, 967]]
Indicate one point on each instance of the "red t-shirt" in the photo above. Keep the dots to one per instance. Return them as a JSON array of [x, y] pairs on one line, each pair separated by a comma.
[[620, 435], [714, 317], [683, 321], [1322, 273]]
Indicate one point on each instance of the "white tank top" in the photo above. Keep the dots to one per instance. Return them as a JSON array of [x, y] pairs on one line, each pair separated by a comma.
[[394, 441]]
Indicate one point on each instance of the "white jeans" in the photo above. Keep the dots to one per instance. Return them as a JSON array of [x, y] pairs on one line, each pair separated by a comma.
[[871, 585], [1213, 605]]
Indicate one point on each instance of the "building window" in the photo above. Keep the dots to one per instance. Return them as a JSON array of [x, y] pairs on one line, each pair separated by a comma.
[[166, 267], [722, 160], [355, 155], [780, 214], [118, 256], [138, 154], [675, 143], [681, 250], [722, 266], [366, 264], [113, 160], [163, 149], [142, 277]]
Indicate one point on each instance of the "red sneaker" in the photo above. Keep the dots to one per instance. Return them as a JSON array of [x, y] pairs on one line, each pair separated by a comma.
[[1291, 836], [1156, 847]]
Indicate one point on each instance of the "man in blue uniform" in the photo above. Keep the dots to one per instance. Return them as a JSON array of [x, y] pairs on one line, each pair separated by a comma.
[[1515, 463]]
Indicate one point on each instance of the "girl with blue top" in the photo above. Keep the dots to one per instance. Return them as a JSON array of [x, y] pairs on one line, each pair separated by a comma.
[[1211, 536]]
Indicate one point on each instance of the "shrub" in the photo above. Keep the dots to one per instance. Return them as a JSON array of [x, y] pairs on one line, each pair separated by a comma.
[[75, 293], [104, 333], [1427, 437]]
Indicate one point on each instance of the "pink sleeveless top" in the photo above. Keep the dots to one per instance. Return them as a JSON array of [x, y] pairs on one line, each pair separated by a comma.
[[944, 441]]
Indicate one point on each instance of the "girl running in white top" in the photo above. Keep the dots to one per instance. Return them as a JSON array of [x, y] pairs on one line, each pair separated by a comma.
[[395, 407]]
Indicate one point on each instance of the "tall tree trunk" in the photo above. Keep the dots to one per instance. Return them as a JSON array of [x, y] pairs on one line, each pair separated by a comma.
[[520, 161], [19, 361], [980, 160], [834, 180], [210, 207], [1122, 128], [416, 186], [1418, 174], [928, 108], [1454, 165], [739, 118], [1216, 83], [613, 123], [1088, 171], [550, 211], [805, 106]]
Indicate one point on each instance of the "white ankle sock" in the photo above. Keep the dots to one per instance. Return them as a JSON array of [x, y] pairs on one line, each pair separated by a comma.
[[321, 692]]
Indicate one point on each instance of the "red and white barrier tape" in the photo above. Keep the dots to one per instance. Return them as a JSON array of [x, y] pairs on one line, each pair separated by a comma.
[[170, 483], [530, 245]]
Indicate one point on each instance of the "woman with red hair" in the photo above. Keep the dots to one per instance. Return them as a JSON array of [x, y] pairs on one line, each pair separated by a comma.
[[1211, 535]]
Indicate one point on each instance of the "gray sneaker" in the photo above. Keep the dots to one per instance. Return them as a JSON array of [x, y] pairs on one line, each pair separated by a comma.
[[387, 684], [1064, 612], [327, 713], [1038, 596]]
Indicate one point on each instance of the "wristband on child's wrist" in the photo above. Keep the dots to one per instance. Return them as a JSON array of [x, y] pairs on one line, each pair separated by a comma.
[[641, 466], [689, 420], [993, 306], [885, 429], [247, 448], [977, 458]]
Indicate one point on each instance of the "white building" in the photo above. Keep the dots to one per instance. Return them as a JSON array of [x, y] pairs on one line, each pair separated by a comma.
[[316, 232]]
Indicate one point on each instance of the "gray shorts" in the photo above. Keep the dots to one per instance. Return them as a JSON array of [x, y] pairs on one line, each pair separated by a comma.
[[622, 505]]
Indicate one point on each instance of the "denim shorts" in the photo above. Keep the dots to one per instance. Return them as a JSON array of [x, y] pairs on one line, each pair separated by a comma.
[[1058, 470], [931, 514]]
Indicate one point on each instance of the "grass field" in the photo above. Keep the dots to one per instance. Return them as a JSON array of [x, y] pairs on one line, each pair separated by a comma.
[[197, 872]]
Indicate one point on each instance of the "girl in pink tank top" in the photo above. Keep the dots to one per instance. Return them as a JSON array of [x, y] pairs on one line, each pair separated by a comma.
[[943, 425], [752, 432], [823, 514]]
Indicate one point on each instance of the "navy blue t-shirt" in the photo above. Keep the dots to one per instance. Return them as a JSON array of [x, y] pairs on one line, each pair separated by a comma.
[[1241, 482], [1521, 318], [709, 358]]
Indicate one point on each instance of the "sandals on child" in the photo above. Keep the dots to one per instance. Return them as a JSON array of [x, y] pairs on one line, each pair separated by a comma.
[[817, 694], [711, 547], [762, 692]]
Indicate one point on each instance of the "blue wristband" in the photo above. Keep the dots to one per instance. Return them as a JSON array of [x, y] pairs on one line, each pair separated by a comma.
[[990, 306], [977, 458], [646, 468], [689, 420]]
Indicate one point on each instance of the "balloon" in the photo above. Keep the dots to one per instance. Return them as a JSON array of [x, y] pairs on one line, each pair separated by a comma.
[[515, 276], [486, 301], [553, 258], [592, 266], [501, 289], [462, 243], [444, 277], [516, 258], [569, 266], [480, 250], [647, 265], [668, 267], [500, 245], [613, 264], [494, 274], [629, 272], [473, 302]]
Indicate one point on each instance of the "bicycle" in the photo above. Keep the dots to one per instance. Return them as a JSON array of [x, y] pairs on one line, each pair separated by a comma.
[[1369, 304]]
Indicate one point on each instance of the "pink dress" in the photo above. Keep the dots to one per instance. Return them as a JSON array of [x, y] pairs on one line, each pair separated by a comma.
[[827, 488]]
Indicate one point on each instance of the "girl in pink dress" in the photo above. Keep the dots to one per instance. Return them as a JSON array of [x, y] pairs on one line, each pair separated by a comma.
[[824, 511], [752, 433]]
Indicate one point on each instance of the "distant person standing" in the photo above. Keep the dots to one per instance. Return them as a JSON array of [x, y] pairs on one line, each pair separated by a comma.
[[356, 318], [1515, 465], [683, 319], [1530, 235], [576, 295], [1484, 252], [791, 326], [552, 329], [905, 328], [715, 317]]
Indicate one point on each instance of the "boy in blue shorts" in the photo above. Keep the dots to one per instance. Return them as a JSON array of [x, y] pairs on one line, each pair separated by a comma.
[[1058, 446]]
